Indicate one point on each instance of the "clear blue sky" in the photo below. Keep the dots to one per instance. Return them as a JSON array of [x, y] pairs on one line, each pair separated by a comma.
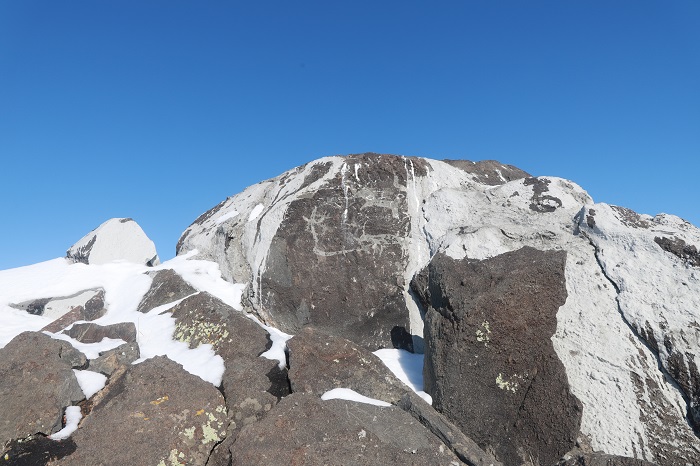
[[158, 110]]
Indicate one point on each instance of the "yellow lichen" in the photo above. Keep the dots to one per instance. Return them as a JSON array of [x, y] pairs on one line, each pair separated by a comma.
[[484, 335], [506, 384], [210, 434], [159, 400], [189, 433]]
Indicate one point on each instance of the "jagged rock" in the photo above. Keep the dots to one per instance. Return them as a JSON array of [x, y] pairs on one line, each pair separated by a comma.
[[465, 448], [489, 364], [115, 239], [319, 362], [489, 172], [110, 361], [167, 286], [303, 429], [156, 413], [202, 318], [37, 383], [64, 310], [92, 333]]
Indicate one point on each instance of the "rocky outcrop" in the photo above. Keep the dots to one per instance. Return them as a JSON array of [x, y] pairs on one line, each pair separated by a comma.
[[303, 429], [490, 364], [155, 414], [115, 239], [92, 333], [37, 383], [166, 287], [335, 243], [64, 310]]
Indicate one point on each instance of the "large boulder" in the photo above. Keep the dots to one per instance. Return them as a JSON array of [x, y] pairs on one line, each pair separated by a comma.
[[116, 239], [303, 429], [156, 413], [335, 243], [37, 383], [490, 364], [167, 286]]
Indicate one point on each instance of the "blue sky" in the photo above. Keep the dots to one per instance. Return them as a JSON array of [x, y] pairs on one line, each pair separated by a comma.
[[158, 110]]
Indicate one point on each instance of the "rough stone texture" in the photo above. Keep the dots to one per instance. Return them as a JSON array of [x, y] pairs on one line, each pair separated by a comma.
[[37, 383], [600, 459], [115, 239], [489, 363], [336, 261], [319, 362], [110, 361], [92, 333], [202, 318], [302, 429], [167, 286], [462, 446], [489, 172], [156, 413], [85, 305], [36, 450]]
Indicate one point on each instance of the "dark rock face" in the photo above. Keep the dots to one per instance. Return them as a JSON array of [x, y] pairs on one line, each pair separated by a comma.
[[156, 413], [490, 172], [36, 450], [337, 260], [37, 383], [92, 333], [319, 362], [167, 287], [541, 202], [303, 429], [676, 246], [490, 364]]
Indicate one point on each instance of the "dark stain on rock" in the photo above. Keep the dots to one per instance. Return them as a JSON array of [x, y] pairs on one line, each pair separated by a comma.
[[36, 450], [629, 217], [540, 202], [490, 172], [679, 248], [590, 218]]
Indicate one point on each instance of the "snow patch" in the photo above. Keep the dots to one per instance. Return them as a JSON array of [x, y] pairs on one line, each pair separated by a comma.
[[73, 417], [352, 395], [407, 367], [90, 382], [255, 213], [227, 216]]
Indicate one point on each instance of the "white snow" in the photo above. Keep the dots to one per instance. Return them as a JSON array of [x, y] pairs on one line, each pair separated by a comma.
[[255, 213], [407, 367], [90, 350], [227, 216], [116, 239], [352, 395], [90, 382], [73, 417]]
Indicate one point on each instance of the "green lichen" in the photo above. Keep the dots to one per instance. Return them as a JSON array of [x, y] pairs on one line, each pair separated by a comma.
[[209, 434], [509, 385], [189, 433], [485, 334], [201, 332]]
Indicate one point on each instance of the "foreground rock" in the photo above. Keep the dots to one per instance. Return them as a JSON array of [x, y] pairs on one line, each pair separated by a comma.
[[115, 239], [303, 429], [490, 364], [155, 414], [37, 383]]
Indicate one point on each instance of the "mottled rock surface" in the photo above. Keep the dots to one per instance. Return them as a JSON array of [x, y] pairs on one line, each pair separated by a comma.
[[490, 365], [167, 286], [92, 333], [303, 429], [37, 383], [319, 362], [155, 414]]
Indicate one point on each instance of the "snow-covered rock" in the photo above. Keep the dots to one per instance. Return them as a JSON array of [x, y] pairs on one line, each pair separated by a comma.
[[337, 242], [115, 239]]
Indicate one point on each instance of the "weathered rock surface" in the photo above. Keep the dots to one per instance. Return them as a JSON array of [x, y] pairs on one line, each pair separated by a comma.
[[287, 237], [37, 383], [601, 459], [319, 362], [36, 450], [64, 310], [489, 363], [115, 239], [92, 333], [303, 429], [203, 318], [167, 287], [120, 357], [155, 414]]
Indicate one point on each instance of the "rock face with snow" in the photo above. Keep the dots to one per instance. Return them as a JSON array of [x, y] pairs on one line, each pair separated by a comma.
[[115, 239], [335, 244]]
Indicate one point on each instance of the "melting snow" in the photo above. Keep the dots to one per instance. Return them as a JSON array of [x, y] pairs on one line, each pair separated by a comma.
[[351, 395], [90, 382], [73, 417]]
